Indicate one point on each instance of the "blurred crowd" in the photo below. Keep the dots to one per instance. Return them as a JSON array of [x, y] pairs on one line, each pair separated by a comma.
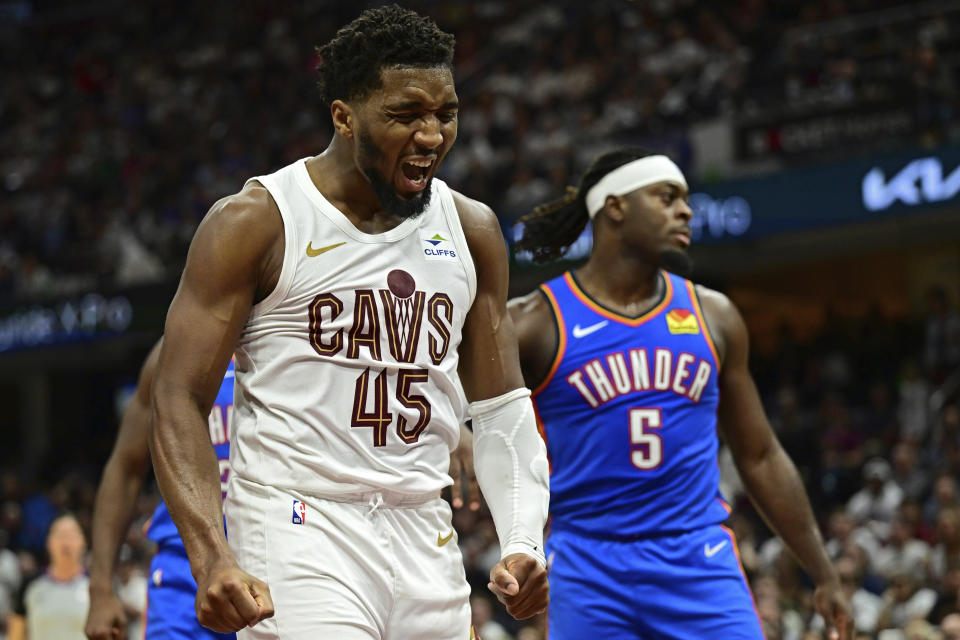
[[121, 123]]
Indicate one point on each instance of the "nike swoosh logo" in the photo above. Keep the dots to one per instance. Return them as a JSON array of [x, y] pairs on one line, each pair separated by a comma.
[[579, 332], [712, 551], [441, 540], [313, 253]]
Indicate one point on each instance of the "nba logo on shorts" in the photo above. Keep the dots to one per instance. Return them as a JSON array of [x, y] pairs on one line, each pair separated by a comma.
[[299, 512]]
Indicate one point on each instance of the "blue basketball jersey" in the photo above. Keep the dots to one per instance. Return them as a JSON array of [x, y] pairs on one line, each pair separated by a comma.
[[628, 412], [161, 528]]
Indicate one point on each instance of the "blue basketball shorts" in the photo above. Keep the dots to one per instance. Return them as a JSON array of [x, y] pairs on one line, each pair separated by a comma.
[[171, 600], [676, 586]]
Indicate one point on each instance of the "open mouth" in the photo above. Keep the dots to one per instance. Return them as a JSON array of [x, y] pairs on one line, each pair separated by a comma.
[[415, 173]]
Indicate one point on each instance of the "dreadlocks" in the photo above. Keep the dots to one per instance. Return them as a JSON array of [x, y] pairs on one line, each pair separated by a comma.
[[554, 226]]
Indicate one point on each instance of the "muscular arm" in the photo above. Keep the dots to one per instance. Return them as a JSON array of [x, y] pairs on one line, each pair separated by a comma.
[[489, 363], [231, 263], [510, 457], [770, 477], [116, 498]]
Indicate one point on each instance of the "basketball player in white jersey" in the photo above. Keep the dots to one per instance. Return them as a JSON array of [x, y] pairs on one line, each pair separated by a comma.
[[365, 303]]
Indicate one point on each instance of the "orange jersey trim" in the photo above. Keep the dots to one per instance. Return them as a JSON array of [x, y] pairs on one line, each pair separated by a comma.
[[616, 317], [561, 339], [543, 433], [725, 506], [703, 325], [736, 551]]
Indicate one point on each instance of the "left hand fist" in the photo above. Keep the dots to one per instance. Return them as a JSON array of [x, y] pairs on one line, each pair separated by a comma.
[[520, 583]]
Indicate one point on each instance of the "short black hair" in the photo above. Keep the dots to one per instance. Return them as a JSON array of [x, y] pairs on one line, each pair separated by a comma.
[[389, 36]]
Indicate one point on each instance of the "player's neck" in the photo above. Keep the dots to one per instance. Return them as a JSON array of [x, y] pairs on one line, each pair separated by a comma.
[[64, 573], [619, 283], [337, 177]]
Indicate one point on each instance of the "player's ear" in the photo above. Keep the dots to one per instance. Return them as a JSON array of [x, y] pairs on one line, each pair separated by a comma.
[[616, 208], [344, 119]]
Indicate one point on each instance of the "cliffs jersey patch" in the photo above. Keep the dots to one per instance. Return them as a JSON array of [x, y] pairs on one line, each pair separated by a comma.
[[436, 246]]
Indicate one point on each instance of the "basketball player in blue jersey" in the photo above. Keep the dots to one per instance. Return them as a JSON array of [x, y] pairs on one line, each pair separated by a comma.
[[629, 389], [170, 613]]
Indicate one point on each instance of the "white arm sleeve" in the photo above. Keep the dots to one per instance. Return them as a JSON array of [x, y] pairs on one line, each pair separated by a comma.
[[510, 460]]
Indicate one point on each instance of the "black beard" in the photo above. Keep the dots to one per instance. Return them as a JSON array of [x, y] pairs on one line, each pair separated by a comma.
[[386, 194], [677, 262]]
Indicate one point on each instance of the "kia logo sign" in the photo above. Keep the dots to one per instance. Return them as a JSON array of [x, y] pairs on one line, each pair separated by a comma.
[[920, 181]]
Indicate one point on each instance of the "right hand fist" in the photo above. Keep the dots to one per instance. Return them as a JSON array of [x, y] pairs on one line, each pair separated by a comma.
[[107, 619], [229, 599]]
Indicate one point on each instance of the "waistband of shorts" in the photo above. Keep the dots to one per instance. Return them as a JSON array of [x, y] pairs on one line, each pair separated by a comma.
[[634, 537], [387, 498], [383, 498]]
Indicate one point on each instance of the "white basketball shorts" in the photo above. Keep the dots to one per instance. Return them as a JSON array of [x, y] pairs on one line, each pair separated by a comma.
[[378, 566]]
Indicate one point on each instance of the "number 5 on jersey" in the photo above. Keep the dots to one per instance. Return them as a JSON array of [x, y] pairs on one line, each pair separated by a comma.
[[379, 418], [646, 446]]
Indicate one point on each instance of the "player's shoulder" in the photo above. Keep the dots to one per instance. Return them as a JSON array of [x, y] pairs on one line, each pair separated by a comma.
[[253, 204], [475, 216], [481, 229], [248, 218], [723, 319], [531, 305], [713, 301]]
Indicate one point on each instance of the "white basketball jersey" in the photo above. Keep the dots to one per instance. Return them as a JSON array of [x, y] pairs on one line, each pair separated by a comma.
[[346, 374]]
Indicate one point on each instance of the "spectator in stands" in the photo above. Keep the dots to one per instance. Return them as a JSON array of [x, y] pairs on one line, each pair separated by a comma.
[[880, 414], [843, 534], [842, 447], [875, 505], [948, 592], [945, 495], [914, 393], [767, 597], [53, 606], [912, 513], [904, 601], [946, 552], [907, 473], [86, 141], [901, 552], [792, 426]]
